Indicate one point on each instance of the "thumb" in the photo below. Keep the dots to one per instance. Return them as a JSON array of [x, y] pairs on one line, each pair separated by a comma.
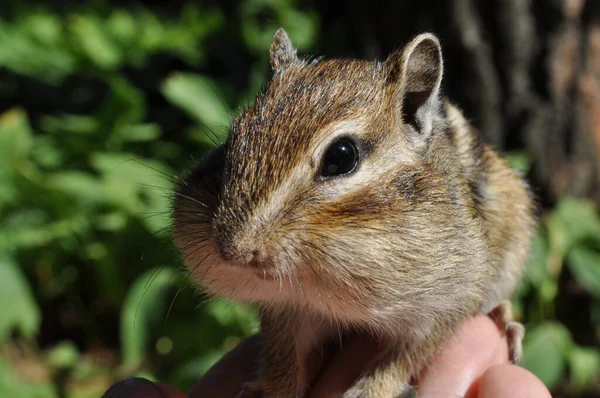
[[137, 387]]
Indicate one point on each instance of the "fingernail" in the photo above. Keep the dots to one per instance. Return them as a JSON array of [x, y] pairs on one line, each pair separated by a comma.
[[135, 387]]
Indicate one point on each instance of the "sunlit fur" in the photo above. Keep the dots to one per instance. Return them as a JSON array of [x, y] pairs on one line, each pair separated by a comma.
[[431, 228]]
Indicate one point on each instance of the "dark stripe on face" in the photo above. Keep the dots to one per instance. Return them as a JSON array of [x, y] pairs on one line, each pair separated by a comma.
[[400, 191]]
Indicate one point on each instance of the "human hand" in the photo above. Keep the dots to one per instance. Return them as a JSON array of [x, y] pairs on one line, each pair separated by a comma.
[[472, 364]]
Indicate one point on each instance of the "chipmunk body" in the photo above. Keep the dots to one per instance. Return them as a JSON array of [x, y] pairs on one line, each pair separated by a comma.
[[351, 198]]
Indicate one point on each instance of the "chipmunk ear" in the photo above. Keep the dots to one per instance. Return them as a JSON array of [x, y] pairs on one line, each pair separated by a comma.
[[282, 53], [416, 72]]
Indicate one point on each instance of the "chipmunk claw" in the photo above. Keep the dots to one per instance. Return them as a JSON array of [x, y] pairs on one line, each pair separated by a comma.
[[514, 331]]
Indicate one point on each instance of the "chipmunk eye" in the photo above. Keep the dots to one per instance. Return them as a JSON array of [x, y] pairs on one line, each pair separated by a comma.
[[340, 158]]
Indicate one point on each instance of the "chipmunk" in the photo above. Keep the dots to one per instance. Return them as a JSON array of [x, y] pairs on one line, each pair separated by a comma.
[[352, 198]]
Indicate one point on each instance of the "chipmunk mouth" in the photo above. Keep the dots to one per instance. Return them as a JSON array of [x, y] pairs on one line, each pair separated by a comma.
[[265, 275], [262, 271]]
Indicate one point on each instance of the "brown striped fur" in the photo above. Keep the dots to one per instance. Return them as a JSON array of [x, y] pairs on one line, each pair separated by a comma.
[[433, 227]]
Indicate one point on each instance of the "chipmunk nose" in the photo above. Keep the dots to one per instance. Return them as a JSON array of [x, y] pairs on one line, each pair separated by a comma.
[[239, 243], [241, 252], [252, 259]]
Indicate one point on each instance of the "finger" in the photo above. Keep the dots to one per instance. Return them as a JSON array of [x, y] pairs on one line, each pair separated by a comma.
[[356, 355], [226, 378], [137, 388], [170, 391], [475, 347], [511, 381]]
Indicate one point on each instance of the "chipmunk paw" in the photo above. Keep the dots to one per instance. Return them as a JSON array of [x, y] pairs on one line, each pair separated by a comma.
[[514, 331]]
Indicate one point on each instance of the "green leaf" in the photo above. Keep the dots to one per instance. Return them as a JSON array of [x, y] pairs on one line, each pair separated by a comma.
[[125, 106], [15, 143], [64, 355], [143, 306], [584, 263], [94, 42], [571, 222], [71, 124], [46, 153], [140, 186], [203, 138], [35, 46], [152, 34], [544, 352], [230, 314], [15, 140], [84, 187], [20, 311], [45, 28], [113, 221], [519, 161], [537, 268], [122, 27], [140, 132], [301, 26], [199, 97], [584, 364], [23, 218], [28, 237]]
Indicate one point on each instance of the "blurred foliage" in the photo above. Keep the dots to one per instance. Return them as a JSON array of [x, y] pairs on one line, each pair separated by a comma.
[[564, 269], [100, 107]]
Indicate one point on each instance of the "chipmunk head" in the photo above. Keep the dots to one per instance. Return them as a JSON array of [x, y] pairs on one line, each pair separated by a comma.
[[328, 194]]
